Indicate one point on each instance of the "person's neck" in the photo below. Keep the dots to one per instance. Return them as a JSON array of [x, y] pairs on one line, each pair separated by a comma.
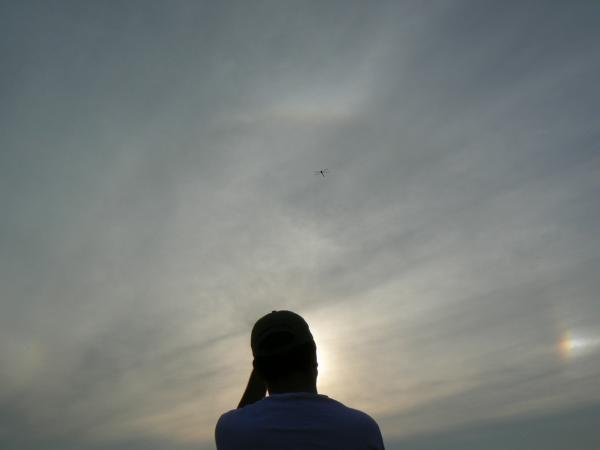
[[286, 390], [293, 384]]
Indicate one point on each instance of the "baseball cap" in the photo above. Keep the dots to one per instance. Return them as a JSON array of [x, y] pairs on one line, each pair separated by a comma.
[[279, 332]]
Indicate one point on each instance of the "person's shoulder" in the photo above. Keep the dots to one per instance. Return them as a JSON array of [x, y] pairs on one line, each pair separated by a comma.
[[358, 426], [225, 420], [231, 417], [367, 422], [238, 417], [355, 416], [229, 414], [230, 425]]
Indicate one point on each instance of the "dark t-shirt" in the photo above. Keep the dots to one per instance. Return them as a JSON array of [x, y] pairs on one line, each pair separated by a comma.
[[297, 420]]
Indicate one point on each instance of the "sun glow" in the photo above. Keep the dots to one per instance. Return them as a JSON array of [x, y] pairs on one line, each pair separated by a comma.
[[323, 361], [325, 352]]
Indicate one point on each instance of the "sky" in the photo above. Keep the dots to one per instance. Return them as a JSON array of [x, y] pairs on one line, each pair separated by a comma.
[[158, 196]]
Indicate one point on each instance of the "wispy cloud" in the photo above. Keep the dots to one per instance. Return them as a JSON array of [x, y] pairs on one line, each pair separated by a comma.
[[156, 176]]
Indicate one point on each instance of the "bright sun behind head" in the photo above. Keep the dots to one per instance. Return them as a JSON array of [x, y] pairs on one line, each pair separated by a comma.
[[324, 352], [322, 359]]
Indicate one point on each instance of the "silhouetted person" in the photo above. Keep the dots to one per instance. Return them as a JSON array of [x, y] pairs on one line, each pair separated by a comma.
[[294, 416]]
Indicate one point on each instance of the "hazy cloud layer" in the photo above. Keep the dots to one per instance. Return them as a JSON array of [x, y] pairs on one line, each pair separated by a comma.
[[158, 196]]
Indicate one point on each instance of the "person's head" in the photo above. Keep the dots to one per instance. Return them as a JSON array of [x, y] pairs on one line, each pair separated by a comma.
[[285, 353]]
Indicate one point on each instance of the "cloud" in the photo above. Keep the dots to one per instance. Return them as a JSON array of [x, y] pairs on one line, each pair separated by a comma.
[[521, 432]]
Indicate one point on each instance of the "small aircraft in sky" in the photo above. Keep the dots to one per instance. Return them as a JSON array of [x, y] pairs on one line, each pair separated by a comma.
[[321, 172]]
